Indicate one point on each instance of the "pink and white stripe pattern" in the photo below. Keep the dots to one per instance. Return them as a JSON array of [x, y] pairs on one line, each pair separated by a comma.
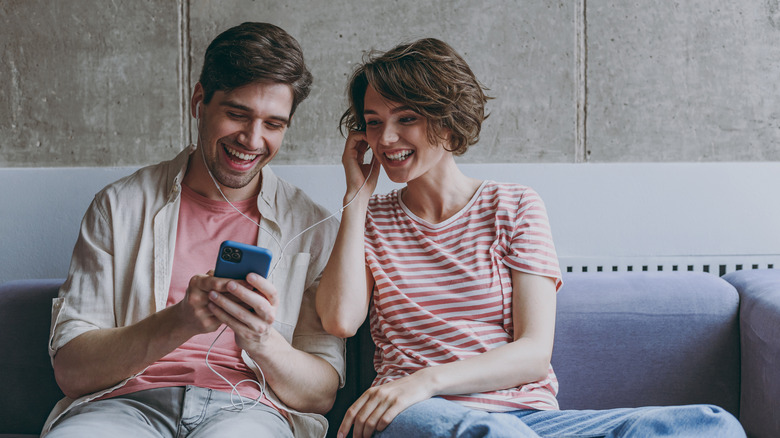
[[443, 291]]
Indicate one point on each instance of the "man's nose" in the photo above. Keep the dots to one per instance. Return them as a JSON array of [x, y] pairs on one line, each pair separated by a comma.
[[251, 136]]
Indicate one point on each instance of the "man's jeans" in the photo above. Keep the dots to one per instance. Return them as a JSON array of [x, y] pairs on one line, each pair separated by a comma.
[[190, 412], [441, 418]]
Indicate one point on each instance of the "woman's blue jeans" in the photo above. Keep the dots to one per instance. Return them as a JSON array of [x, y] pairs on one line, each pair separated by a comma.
[[437, 417]]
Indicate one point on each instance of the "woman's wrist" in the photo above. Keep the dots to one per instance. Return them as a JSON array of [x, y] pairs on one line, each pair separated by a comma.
[[354, 201], [429, 379]]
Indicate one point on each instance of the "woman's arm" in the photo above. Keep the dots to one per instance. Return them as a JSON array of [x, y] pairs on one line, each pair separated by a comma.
[[344, 291], [533, 315], [522, 361]]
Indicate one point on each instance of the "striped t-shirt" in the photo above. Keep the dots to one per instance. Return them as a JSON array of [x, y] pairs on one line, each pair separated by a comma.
[[443, 292]]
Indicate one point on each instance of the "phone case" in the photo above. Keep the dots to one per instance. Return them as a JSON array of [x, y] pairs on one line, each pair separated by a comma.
[[236, 260]]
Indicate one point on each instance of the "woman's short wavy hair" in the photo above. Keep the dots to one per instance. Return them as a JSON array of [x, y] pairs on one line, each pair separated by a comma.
[[430, 77]]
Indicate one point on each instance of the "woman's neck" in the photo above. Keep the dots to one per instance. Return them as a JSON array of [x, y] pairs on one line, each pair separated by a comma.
[[437, 196]]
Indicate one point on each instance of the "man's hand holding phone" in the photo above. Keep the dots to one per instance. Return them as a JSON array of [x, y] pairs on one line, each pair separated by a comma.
[[237, 260], [249, 306]]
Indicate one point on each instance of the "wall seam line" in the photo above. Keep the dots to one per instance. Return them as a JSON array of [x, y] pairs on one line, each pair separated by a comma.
[[185, 65], [581, 87]]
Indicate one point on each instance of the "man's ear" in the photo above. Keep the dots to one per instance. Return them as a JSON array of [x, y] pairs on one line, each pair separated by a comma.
[[196, 101]]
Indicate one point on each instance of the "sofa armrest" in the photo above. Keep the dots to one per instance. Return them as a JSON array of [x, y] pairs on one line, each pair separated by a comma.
[[759, 322], [29, 390]]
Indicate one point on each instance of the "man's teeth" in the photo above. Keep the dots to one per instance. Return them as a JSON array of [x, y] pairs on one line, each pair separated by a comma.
[[398, 156], [241, 155]]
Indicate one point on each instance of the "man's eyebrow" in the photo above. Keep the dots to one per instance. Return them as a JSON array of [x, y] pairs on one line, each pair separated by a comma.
[[238, 106]]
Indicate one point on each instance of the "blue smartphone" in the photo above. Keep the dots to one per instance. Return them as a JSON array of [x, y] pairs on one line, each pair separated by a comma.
[[236, 260]]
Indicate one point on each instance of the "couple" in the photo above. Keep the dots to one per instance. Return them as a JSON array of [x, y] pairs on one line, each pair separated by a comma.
[[459, 277]]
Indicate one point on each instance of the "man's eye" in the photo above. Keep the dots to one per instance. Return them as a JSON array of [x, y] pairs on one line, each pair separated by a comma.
[[235, 115]]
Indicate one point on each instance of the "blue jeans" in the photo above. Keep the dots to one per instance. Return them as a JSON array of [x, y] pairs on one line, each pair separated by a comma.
[[181, 412], [437, 417]]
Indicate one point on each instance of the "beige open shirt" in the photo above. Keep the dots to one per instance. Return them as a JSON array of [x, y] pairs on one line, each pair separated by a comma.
[[121, 267]]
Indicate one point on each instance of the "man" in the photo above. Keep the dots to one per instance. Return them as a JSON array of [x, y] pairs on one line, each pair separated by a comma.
[[135, 343]]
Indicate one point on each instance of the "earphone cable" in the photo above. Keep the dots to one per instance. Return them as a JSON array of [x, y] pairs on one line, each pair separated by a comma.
[[241, 406]]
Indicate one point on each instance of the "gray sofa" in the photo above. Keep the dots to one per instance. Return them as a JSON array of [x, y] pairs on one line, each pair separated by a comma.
[[622, 339]]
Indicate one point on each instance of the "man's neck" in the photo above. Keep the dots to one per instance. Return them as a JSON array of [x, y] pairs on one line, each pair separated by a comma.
[[198, 178]]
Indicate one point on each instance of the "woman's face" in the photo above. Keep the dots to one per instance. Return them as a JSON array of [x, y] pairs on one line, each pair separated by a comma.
[[398, 137]]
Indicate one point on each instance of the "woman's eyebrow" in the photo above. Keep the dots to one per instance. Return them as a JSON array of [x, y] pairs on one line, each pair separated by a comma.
[[397, 109]]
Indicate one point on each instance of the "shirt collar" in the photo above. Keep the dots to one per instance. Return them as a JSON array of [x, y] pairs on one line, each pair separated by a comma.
[[266, 199], [176, 171]]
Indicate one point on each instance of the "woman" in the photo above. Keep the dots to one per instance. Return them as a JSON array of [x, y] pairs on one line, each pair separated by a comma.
[[460, 275]]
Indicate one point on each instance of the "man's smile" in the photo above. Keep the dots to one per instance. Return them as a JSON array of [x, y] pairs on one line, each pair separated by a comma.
[[237, 155]]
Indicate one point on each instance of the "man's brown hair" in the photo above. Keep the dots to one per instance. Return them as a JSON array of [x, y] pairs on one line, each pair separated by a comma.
[[255, 52]]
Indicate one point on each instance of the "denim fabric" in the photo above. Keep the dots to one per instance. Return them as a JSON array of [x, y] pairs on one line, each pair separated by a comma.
[[437, 417], [177, 412]]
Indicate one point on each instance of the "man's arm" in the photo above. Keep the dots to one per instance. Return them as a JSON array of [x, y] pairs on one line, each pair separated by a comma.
[[303, 381], [99, 359]]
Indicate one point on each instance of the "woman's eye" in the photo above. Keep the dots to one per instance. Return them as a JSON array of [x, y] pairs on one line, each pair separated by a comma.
[[410, 119]]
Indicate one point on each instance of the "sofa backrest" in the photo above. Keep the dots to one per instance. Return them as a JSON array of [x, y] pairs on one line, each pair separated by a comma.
[[622, 339], [661, 338], [625, 340], [26, 376]]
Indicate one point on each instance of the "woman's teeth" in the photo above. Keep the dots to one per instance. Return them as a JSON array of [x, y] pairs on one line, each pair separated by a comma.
[[399, 156]]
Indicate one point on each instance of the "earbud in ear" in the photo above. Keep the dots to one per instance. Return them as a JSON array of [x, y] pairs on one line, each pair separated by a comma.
[[197, 112], [368, 156]]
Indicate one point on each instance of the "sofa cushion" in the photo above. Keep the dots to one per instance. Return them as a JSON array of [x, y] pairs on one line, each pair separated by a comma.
[[29, 389], [662, 338]]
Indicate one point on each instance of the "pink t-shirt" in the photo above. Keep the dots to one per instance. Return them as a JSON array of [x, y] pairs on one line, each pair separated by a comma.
[[203, 225], [443, 292]]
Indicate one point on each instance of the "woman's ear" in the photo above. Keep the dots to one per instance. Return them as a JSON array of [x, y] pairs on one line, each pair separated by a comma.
[[444, 135]]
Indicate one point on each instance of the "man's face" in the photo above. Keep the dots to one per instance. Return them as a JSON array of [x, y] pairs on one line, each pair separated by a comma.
[[240, 131]]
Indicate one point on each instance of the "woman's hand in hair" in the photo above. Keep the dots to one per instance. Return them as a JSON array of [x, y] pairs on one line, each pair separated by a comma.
[[359, 174]]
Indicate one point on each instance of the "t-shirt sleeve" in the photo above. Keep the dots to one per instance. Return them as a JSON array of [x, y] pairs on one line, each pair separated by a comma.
[[531, 245]]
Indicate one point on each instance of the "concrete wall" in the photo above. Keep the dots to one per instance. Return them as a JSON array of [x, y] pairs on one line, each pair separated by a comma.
[[96, 83]]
